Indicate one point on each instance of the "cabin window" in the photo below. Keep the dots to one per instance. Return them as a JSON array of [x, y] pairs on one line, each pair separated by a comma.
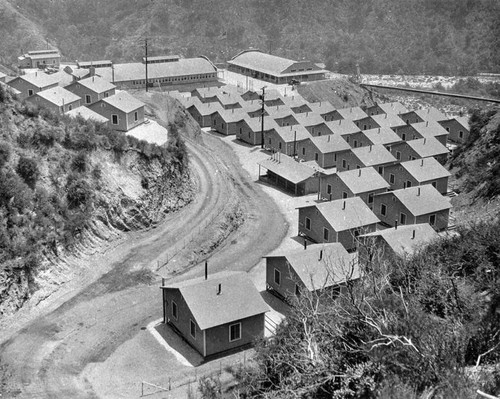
[[407, 184], [392, 178], [364, 128], [383, 209], [403, 136], [432, 220], [326, 234], [380, 170], [347, 139], [344, 194], [370, 198], [277, 276], [136, 116], [114, 119], [398, 155], [402, 218], [88, 99], [192, 328], [316, 156], [434, 184], [174, 310], [70, 107], [303, 150], [344, 163], [448, 129], [279, 146], [308, 224], [234, 332], [461, 134], [328, 188], [355, 143], [30, 92]]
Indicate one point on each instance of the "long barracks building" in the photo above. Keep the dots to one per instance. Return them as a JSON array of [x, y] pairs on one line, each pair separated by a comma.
[[274, 69], [162, 71]]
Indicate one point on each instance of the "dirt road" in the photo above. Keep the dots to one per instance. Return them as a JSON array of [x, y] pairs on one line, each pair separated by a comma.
[[44, 356]]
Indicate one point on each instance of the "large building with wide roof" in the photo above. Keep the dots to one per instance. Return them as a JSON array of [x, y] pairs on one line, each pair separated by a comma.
[[274, 69], [178, 71]]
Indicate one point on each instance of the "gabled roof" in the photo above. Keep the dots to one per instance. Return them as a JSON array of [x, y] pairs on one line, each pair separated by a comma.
[[346, 214], [373, 155], [343, 127], [58, 96], [429, 129], [238, 299], [323, 265], [421, 200], [232, 115], [321, 107], [251, 106], [271, 64], [290, 133], [405, 239], [392, 107], [96, 84], [80, 73], [286, 167], [352, 113], [388, 120], [309, 119], [426, 114], [464, 121], [123, 101], [137, 70], [363, 180], [427, 147], [382, 135], [254, 124], [2, 75], [229, 99], [294, 101], [39, 79], [279, 111], [205, 109], [425, 169], [87, 114], [330, 143]]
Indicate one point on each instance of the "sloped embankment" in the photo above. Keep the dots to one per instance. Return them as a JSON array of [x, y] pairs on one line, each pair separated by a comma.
[[68, 188]]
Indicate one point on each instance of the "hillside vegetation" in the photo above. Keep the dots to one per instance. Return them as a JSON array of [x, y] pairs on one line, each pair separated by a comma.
[[423, 327], [384, 36], [68, 184], [477, 162]]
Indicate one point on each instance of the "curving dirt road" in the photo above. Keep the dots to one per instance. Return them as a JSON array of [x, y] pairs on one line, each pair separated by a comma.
[[44, 356]]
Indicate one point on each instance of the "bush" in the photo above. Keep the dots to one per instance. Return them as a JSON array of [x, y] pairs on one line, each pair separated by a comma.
[[5, 153], [80, 163], [78, 193], [27, 168]]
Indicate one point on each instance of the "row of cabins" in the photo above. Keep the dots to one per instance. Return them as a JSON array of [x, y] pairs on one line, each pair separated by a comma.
[[382, 195], [91, 98]]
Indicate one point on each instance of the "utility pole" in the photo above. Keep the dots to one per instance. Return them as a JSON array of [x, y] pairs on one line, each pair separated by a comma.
[[146, 60], [262, 117]]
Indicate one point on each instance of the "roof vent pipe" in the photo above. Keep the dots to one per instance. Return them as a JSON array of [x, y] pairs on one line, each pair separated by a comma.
[[219, 289], [343, 206], [418, 191], [320, 254], [424, 140], [422, 162], [305, 243], [359, 173], [395, 225], [370, 147], [413, 235], [379, 130], [206, 270]]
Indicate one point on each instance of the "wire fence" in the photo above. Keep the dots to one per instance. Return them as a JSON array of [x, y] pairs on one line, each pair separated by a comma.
[[188, 385]]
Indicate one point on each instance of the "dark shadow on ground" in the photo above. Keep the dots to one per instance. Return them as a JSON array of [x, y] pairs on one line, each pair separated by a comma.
[[179, 344]]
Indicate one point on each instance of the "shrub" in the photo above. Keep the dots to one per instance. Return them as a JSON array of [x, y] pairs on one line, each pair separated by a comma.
[[5, 153], [79, 193], [80, 163], [27, 168]]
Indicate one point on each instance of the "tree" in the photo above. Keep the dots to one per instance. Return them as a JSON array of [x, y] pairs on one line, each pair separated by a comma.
[[27, 168]]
